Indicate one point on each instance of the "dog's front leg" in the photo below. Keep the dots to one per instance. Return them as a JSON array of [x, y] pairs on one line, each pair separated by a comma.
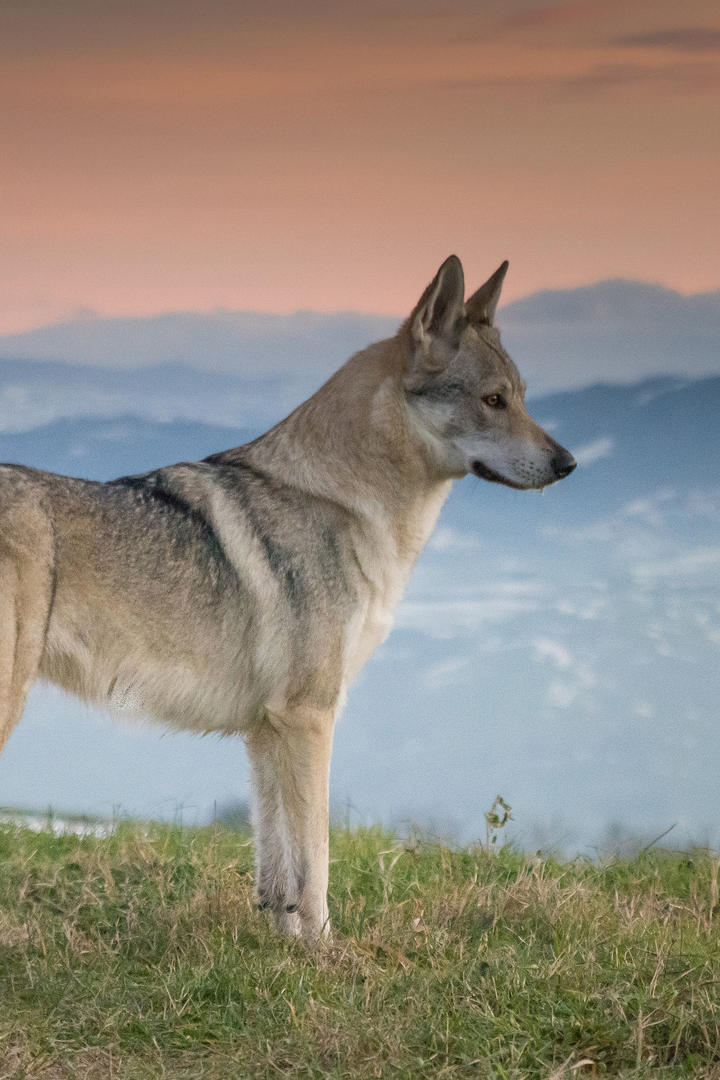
[[274, 874], [290, 758]]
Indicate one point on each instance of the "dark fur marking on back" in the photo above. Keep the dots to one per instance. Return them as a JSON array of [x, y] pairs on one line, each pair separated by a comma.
[[333, 562], [151, 490], [281, 559], [283, 563]]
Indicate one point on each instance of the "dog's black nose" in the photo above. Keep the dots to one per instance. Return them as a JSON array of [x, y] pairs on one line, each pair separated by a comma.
[[564, 464]]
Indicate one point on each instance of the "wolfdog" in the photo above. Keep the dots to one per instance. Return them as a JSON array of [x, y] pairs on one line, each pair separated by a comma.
[[242, 593]]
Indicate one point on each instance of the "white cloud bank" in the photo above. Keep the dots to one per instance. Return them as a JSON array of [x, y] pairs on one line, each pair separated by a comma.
[[594, 451], [687, 565]]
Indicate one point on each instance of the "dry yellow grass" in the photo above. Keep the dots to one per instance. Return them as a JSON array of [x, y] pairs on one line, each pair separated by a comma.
[[142, 956]]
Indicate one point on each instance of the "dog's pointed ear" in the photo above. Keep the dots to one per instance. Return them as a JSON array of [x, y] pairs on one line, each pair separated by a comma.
[[440, 311], [482, 305]]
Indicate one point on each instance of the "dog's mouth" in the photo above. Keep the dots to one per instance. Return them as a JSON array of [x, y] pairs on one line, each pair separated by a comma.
[[485, 473]]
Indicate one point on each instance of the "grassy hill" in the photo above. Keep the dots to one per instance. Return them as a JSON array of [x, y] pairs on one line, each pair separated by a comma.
[[141, 955]]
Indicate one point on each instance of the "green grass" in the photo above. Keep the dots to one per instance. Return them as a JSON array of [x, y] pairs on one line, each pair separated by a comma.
[[142, 955]]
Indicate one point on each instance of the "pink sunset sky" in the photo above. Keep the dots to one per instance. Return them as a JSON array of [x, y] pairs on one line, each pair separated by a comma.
[[275, 156]]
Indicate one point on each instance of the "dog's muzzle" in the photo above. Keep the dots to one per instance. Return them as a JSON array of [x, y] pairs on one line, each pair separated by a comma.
[[562, 464]]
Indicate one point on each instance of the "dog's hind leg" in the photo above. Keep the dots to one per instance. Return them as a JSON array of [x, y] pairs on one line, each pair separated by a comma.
[[290, 759], [25, 600]]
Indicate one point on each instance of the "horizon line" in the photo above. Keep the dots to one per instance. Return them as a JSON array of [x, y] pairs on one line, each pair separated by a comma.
[[86, 315]]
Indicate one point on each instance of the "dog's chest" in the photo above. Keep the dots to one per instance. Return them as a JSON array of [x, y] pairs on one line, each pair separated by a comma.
[[386, 555], [373, 615], [370, 625]]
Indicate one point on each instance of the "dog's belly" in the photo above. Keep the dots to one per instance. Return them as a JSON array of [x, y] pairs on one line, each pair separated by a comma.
[[179, 695], [190, 678]]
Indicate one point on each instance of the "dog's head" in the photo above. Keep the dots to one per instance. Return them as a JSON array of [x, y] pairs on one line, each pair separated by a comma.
[[464, 394]]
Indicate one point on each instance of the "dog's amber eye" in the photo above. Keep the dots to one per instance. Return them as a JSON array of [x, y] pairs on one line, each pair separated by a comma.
[[495, 401]]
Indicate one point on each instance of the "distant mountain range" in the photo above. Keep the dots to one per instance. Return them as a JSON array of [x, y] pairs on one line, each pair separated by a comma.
[[248, 368]]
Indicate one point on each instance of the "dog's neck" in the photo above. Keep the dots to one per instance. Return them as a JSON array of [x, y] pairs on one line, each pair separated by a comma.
[[352, 443]]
